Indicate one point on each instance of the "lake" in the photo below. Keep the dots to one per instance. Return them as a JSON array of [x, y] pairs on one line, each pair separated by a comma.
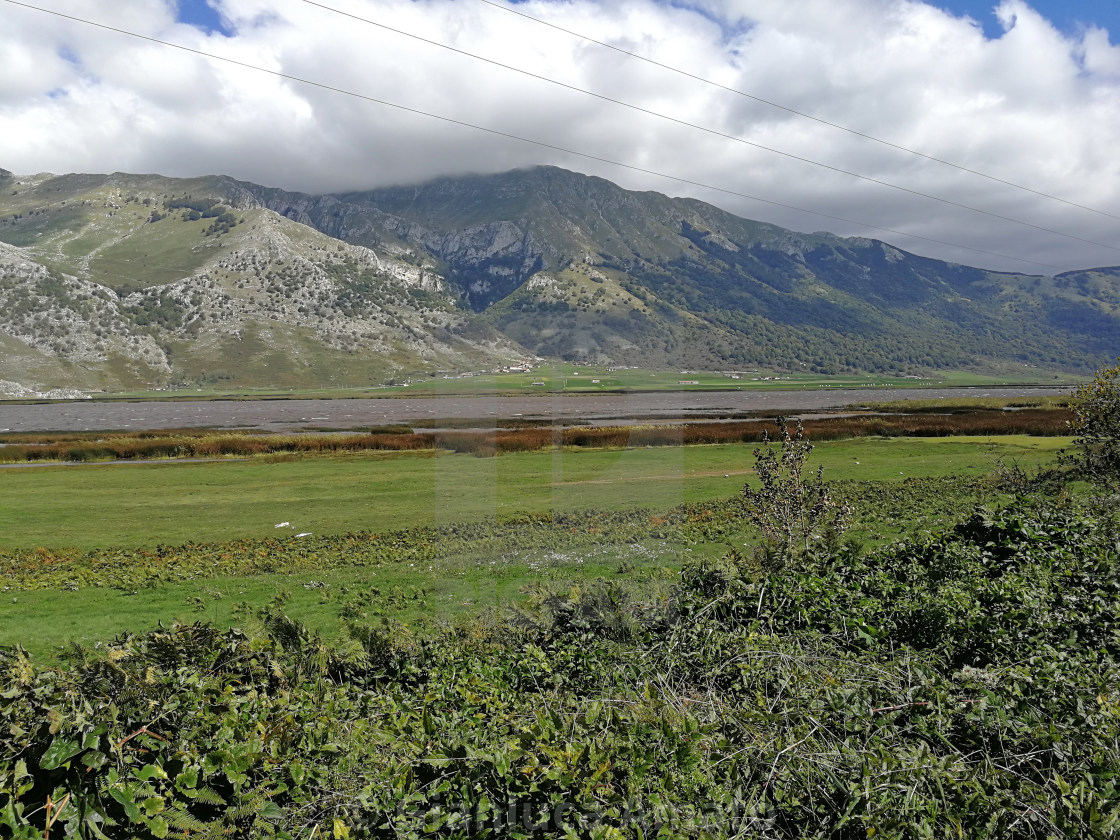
[[283, 415]]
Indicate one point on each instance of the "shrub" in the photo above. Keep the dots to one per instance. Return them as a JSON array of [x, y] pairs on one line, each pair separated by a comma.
[[790, 508], [1096, 424]]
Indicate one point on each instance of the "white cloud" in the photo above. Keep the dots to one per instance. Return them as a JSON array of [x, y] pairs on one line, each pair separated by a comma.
[[1035, 106]]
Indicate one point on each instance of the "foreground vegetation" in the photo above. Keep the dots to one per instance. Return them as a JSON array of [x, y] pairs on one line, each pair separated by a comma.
[[959, 681]]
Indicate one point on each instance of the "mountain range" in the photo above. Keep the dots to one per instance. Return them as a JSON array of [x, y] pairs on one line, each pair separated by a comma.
[[122, 281]]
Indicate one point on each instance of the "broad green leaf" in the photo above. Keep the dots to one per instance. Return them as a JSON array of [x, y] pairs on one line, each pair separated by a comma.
[[187, 779], [153, 805], [149, 772], [298, 772], [59, 752], [272, 811]]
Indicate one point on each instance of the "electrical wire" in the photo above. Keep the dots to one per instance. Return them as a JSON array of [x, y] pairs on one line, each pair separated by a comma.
[[711, 131], [797, 113], [540, 143]]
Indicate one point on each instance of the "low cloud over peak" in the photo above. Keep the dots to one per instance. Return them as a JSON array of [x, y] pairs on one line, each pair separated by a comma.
[[1039, 105]]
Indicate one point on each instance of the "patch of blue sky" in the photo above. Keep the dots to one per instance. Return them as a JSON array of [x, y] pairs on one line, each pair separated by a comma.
[[69, 56], [730, 29], [1070, 16], [202, 15]]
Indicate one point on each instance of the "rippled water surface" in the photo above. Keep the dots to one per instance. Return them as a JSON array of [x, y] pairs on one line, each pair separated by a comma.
[[295, 415]]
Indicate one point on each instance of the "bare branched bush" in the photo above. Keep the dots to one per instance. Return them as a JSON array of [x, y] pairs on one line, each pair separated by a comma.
[[791, 508]]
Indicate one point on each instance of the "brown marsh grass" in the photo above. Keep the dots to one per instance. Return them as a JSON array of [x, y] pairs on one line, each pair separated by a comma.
[[210, 444]]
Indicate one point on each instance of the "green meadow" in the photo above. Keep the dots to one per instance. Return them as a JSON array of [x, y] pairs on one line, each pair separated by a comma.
[[132, 512], [146, 504], [569, 378], [569, 620]]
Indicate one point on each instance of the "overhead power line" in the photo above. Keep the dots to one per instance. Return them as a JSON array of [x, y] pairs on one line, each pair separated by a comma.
[[712, 131], [795, 112], [507, 135]]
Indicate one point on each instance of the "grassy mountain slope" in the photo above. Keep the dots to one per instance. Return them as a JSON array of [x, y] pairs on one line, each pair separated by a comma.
[[121, 280]]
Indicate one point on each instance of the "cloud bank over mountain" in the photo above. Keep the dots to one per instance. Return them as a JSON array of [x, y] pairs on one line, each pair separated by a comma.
[[1036, 105]]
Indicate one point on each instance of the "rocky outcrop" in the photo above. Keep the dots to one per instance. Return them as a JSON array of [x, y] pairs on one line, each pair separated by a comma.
[[289, 291], [15, 391]]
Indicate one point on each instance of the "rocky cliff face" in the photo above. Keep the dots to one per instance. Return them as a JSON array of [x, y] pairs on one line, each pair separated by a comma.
[[66, 316]]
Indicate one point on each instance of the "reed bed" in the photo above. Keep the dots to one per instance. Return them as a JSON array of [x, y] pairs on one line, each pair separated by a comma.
[[209, 446], [150, 446], [1041, 422], [938, 406]]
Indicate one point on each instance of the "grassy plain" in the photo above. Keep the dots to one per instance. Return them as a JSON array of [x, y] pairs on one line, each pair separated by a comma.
[[581, 379], [459, 585], [137, 506], [592, 379], [146, 504]]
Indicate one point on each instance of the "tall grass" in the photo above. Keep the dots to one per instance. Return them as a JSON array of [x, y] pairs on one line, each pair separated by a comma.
[[966, 404], [148, 445], [208, 446], [1041, 422]]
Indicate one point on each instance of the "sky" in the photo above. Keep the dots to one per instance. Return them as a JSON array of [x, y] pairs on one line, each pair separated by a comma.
[[1069, 16], [1024, 94]]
